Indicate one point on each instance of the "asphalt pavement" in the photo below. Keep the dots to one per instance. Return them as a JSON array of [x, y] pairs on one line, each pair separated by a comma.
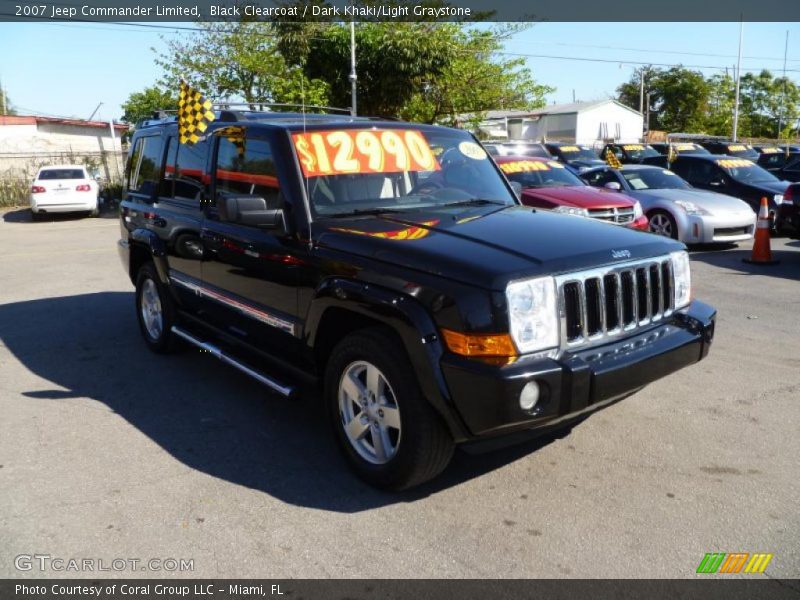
[[108, 451]]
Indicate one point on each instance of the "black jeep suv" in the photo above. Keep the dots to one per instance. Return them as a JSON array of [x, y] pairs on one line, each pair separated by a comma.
[[392, 264]]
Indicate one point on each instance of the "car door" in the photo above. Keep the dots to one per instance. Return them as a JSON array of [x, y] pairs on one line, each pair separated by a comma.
[[183, 186], [249, 272]]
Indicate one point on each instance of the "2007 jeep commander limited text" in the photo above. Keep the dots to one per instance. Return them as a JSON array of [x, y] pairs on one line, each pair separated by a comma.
[[394, 263]]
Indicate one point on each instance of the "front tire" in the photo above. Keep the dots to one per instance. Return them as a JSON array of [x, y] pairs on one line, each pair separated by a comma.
[[388, 431], [155, 310], [662, 223]]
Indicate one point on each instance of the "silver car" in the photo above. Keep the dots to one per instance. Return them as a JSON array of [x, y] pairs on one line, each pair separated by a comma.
[[675, 208]]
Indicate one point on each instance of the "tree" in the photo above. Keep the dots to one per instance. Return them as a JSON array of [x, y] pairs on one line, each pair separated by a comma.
[[768, 102], [629, 93], [142, 105], [476, 81], [238, 60], [5, 103], [721, 99]]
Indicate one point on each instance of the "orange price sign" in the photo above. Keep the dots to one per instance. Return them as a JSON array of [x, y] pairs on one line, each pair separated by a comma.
[[363, 151], [523, 166]]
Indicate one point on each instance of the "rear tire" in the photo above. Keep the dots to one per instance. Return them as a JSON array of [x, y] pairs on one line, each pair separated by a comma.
[[155, 310], [389, 433], [661, 222]]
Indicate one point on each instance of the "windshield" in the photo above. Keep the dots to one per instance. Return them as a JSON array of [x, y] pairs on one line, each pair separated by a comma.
[[352, 171], [639, 151], [654, 179], [539, 174], [745, 171], [742, 151], [690, 149], [527, 150], [577, 153], [61, 174]]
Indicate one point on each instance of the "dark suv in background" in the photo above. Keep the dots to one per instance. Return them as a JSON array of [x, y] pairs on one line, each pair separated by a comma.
[[392, 264]]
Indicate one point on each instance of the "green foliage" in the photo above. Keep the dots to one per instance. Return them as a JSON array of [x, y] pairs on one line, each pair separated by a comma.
[[415, 70], [141, 105], [233, 60], [475, 82], [683, 100], [5, 103]]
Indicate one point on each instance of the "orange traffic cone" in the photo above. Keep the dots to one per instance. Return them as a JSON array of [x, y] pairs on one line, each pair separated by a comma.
[[762, 253]]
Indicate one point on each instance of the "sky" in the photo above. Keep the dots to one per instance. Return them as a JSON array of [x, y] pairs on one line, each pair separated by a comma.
[[72, 67]]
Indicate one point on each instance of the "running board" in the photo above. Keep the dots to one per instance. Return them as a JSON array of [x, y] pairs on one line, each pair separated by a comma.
[[286, 391]]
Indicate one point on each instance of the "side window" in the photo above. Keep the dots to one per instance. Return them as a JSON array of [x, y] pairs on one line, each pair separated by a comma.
[[599, 178], [190, 177], [167, 187], [245, 167], [145, 165], [684, 169], [793, 166]]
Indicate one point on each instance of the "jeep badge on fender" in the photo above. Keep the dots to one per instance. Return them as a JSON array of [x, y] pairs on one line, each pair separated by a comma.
[[392, 264]]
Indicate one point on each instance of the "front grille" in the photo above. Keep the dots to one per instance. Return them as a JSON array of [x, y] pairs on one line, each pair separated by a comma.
[[723, 231], [604, 303], [612, 215]]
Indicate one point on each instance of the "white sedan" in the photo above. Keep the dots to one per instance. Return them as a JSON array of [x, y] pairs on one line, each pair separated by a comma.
[[64, 188]]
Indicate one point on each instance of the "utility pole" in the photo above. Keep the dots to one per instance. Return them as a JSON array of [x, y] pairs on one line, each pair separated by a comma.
[[353, 90], [641, 103], [783, 94], [738, 80]]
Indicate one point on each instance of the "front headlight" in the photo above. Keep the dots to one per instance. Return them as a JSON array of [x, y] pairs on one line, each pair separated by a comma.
[[532, 314], [691, 208], [682, 278], [572, 210], [638, 213]]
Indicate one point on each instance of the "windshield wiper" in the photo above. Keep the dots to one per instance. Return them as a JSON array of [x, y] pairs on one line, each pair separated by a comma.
[[476, 202], [366, 211]]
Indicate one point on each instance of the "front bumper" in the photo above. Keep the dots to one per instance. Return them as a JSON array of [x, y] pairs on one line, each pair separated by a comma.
[[789, 218], [712, 229], [487, 396]]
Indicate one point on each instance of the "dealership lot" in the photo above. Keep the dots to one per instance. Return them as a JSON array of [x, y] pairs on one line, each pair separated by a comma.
[[110, 452]]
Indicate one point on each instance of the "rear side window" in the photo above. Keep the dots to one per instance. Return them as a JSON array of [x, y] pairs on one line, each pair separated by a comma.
[[245, 167], [62, 174], [185, 170], [144, 169]]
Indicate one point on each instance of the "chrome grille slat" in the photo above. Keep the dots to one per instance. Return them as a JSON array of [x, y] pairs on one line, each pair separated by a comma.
[[600, 304]]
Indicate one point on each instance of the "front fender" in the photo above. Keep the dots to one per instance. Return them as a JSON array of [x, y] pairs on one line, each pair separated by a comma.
[[409, 319], [149, 241]]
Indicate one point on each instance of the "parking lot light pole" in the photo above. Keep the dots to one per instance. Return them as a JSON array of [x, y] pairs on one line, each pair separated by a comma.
[[353, 91], [738, 80]]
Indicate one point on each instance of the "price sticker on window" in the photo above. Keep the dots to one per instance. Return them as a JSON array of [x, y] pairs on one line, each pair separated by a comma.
[[357, 152], [736, 148], [631, 147], [570, 149], [734, 163], [524, 166]]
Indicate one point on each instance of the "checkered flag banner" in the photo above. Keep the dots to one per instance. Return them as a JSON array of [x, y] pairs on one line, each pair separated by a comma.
[[672, 154], [194, 114], [235, 135], [612, 160]]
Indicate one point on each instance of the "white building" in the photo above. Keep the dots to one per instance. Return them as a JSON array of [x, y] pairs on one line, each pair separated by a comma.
[[579, 122], [29, 142]]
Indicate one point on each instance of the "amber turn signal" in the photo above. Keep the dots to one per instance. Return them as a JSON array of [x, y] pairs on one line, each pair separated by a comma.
[[494, 344]]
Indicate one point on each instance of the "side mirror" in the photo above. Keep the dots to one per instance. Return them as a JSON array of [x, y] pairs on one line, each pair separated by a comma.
[[614, 186], [517, 187], [251, 211]]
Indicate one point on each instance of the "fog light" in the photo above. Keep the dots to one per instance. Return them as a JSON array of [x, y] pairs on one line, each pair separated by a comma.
[[529, 396]]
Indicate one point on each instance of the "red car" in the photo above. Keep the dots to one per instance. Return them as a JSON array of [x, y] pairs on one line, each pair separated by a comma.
[[549, 184]]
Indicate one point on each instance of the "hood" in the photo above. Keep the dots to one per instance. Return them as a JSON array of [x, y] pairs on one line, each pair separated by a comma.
[[580, 196], [770, 187], [713, 202], [488, 248]]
